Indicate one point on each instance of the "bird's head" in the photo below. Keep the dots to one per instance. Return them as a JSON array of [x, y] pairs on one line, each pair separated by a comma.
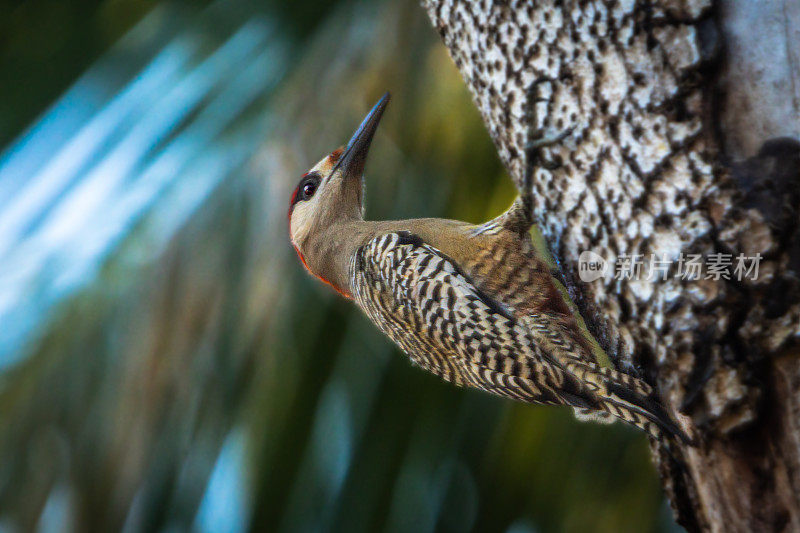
[[332, 190]]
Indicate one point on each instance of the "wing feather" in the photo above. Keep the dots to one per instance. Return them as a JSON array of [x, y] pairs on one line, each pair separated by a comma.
[[433, 311]]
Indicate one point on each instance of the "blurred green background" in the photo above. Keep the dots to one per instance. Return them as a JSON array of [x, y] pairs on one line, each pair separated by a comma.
[[165, 362]]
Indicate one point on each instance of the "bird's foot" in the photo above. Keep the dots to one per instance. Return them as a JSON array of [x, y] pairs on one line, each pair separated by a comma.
[[548, 140], [534, 146], [539, 136]]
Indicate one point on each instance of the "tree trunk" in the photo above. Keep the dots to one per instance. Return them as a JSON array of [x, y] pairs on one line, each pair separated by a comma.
[[685, 118]]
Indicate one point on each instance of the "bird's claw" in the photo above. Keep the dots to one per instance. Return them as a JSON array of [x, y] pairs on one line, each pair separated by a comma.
[[548, 140], [537, 138], [534, 146]]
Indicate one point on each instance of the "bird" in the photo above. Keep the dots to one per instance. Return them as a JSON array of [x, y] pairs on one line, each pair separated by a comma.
[[475, 304]]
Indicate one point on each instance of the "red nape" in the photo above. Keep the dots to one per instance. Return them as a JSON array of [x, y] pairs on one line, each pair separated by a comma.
[[335, 155], [323, 280]]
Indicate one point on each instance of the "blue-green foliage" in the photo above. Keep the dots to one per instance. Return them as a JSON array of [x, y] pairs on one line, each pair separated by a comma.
[[165, 360]]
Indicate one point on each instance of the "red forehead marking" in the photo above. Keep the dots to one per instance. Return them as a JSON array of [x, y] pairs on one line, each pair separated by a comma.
[[323, 280], [335, 155]]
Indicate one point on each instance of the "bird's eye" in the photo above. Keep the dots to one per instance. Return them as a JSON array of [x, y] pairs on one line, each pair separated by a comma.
[[309, 189], [305, 189]]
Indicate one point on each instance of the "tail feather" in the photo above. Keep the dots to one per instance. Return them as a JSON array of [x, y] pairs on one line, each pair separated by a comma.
[[647, 408], [587, 385], [628, 399]]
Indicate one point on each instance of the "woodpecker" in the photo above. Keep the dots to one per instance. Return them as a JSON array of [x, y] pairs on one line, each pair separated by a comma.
[[474, 304]]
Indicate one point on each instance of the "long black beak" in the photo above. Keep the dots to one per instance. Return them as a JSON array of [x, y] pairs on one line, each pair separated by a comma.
[[355, 154]]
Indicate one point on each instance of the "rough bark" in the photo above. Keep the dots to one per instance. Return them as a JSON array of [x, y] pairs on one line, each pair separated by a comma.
[[666, 99]]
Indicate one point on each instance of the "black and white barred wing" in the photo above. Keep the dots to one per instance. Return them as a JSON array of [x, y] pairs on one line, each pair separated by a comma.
[[425, 304]]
